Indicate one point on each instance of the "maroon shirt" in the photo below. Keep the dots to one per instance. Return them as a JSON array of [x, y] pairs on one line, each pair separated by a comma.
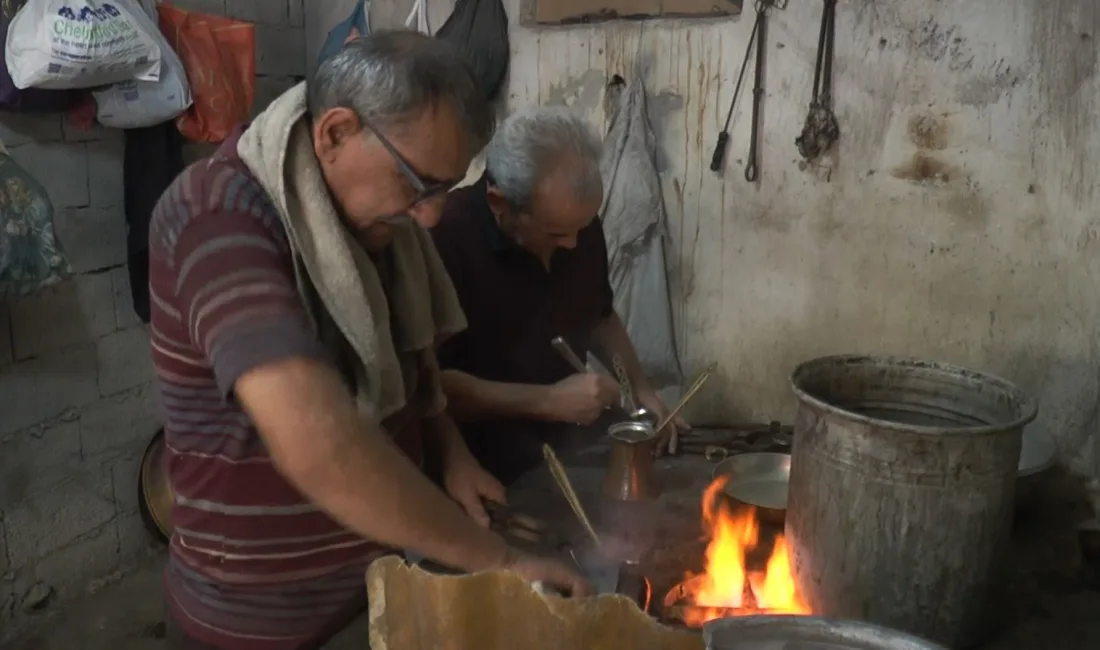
[[253, 564], [514, 307]]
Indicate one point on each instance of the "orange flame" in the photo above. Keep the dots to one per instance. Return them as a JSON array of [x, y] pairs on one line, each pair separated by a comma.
[[726, 581]]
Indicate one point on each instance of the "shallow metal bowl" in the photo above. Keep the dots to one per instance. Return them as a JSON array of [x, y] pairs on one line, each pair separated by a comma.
[[1036, 455], [759, 480]]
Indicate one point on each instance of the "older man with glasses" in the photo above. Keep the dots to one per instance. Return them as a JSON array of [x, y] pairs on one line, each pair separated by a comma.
[[297, 303], [529, 261]]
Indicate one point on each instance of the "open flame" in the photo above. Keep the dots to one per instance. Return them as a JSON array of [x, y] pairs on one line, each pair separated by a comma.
[[726, 587]]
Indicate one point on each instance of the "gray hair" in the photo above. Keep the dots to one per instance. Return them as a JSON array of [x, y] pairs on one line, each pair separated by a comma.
[[528, 145], [389, 76]]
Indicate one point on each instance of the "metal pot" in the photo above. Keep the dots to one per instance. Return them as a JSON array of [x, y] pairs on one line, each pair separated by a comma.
[[902, 485], [630, 472], [805, 633], [759, 480]]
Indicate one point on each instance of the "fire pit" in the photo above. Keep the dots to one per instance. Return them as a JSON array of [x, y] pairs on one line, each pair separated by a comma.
[[746, 571]]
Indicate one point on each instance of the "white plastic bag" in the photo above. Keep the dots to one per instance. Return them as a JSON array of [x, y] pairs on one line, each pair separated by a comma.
[[137, 104], [61, 44]]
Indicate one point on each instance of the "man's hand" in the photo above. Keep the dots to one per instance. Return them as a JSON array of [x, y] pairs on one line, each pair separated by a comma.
[[581, 398], [552, 572], [469, 484], [670, 436]]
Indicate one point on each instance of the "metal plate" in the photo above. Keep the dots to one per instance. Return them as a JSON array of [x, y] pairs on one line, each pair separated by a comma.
[[805, 633], [757, 479], [154, 493], [1037, 454]]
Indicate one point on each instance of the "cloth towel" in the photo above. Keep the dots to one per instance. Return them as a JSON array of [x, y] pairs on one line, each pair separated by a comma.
[[339, 283]]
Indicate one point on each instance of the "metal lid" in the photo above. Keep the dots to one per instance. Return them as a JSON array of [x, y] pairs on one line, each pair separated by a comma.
[[805, 633]]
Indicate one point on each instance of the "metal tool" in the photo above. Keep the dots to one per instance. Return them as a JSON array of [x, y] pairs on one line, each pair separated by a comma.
[[566, 487], [719, 155], [713, 453], [821, 129], [699, 381], [625, 387], [752, 169], [566, 352], [523, 528]]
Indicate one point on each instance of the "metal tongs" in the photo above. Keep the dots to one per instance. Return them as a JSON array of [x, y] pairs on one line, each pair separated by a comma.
[[522, 528]]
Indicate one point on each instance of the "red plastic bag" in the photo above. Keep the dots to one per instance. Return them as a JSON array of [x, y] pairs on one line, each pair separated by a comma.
[[219, 55]]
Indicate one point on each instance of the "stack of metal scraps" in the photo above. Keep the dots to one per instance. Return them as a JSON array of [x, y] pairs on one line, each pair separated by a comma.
[[411, 609]]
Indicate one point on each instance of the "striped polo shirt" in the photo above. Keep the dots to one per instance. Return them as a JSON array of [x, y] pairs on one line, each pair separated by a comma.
[[253, 565]]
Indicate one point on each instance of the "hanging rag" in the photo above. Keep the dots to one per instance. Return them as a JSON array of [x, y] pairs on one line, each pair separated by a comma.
[[30, 256], [479, 30], [337, 279], [635, 226]]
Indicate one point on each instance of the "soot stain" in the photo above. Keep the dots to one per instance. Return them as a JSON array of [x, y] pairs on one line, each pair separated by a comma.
[[929, 131], [925, 169]]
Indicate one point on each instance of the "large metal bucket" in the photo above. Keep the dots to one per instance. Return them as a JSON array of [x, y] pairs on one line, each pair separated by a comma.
[[901, 493]]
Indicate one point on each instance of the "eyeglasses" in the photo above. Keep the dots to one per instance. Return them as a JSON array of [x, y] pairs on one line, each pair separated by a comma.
[[424, 187]]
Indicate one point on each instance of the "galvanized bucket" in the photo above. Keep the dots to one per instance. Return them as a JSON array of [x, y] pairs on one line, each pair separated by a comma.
[[805, 633], [901, 494]]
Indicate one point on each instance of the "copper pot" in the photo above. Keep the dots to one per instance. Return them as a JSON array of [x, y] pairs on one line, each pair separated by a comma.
[[630, 472]]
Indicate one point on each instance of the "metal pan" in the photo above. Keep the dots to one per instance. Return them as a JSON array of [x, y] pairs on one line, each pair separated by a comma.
[[759, 480], [154, 493]]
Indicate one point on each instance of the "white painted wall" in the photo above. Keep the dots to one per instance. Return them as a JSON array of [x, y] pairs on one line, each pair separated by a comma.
[[992, 262]]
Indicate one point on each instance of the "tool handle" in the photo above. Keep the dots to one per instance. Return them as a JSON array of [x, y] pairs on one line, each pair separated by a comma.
[[567, 353], [719, 155]]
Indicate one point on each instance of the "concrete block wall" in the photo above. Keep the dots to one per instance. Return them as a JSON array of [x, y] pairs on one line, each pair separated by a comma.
[[77, 402]]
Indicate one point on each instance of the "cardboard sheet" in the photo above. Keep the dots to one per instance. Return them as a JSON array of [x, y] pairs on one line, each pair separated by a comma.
[[411, 609]]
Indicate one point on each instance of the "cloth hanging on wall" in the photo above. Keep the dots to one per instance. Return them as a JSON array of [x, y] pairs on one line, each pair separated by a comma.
[[479, 30], [153, 158], [635, 226]]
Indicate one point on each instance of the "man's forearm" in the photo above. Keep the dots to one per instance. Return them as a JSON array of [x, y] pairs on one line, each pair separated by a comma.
[[356, 473], [610, 339], [470, 398]]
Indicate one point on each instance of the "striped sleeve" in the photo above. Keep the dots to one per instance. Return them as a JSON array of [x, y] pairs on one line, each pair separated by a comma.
[[238, 297]]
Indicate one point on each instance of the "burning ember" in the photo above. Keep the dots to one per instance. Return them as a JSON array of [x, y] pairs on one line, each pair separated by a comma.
[[727, 587]]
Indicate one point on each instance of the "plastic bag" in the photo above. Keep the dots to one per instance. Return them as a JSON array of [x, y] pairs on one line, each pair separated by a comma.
[[31, 99], [355, 25], [479, 30], [30, 257], [136, 104], [219, 55], [59, 44], [635, 226]]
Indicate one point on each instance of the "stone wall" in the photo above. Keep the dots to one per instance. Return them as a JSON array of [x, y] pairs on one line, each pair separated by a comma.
[[77, 406]]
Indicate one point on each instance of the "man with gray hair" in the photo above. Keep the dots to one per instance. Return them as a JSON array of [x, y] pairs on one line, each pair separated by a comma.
[[297, 302], [527, 255]]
